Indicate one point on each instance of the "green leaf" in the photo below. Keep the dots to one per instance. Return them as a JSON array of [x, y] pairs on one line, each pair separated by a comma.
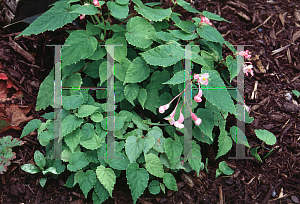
[[217, 93], [138, 71], [157, 133], [178, 78], [157, 78], [213, 16], [148, 143], [119, 91], [82, 46], [207, 124], [209, 33], [93, 143], [57, 164], [120, 164], [73, 138], [131, 91], [164, 55], [120, 52], [93, 30], [31, 126], [99, 53], [154, 165], [100, 194], [224, 143], [165, 36], [232, 66], [30, 168], [266, 136], [119, 123], [70, 123], [239, 140], [86, 9], [180, 34], [137, 179], [297, 93], [194, 161], [150, 13], [43, 181], [77, 161], [118, 10], [187, 26], [72, 102], [103, 72], [173, 150], [87, 131], [187, 6], [253, 151], [39, 159], [140, 32], [86, 181], [134, 147], [139, 123], [154, 187], [86, 110], [122, 1], [73, 81], [106, 177], [142, 97], [150, 101], [56, 17], [170, 181], [224, 168], [121, 68], [51, 170], [46, 93], [97, 117]]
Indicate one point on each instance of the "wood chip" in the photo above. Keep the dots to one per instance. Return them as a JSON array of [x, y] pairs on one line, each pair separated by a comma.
[[281, 18], [297, 15], [243, 15], [296, 35], [17, 48], [288, 54], [187, 180]]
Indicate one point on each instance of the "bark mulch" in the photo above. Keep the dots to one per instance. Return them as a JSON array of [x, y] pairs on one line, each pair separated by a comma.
[[272, 28]]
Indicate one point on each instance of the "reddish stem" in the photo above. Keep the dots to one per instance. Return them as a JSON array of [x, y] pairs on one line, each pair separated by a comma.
[[128, 17]]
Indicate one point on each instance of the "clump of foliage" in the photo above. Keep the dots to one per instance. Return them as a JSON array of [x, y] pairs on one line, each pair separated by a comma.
[[6, 153], [149, 76]]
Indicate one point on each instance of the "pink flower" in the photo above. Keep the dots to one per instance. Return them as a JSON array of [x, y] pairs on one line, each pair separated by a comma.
[[205, 20], [82, 16], [196, 119], [178, 123], [203, 79], [245, 54], [171, 117], [197, 98], [96, 2], [248, 68], [196, 76], [163, 108]]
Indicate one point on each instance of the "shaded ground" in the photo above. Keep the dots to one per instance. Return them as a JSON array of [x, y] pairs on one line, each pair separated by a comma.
[[266, 26]]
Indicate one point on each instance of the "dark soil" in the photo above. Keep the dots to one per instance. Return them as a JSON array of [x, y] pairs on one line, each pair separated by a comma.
[[267, 26]]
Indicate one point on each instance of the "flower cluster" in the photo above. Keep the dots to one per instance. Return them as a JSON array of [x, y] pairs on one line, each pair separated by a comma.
[[201, 79], [205, 20], [246, 68]]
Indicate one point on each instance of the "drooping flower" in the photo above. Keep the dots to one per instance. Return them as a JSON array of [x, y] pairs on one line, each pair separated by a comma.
[[178, 123], [203, 78], [248, 68], [163, 108], [196, 76], [171, 117], [198, 98], [82, 16], [196, 119], [205, 20], [96, 2]]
